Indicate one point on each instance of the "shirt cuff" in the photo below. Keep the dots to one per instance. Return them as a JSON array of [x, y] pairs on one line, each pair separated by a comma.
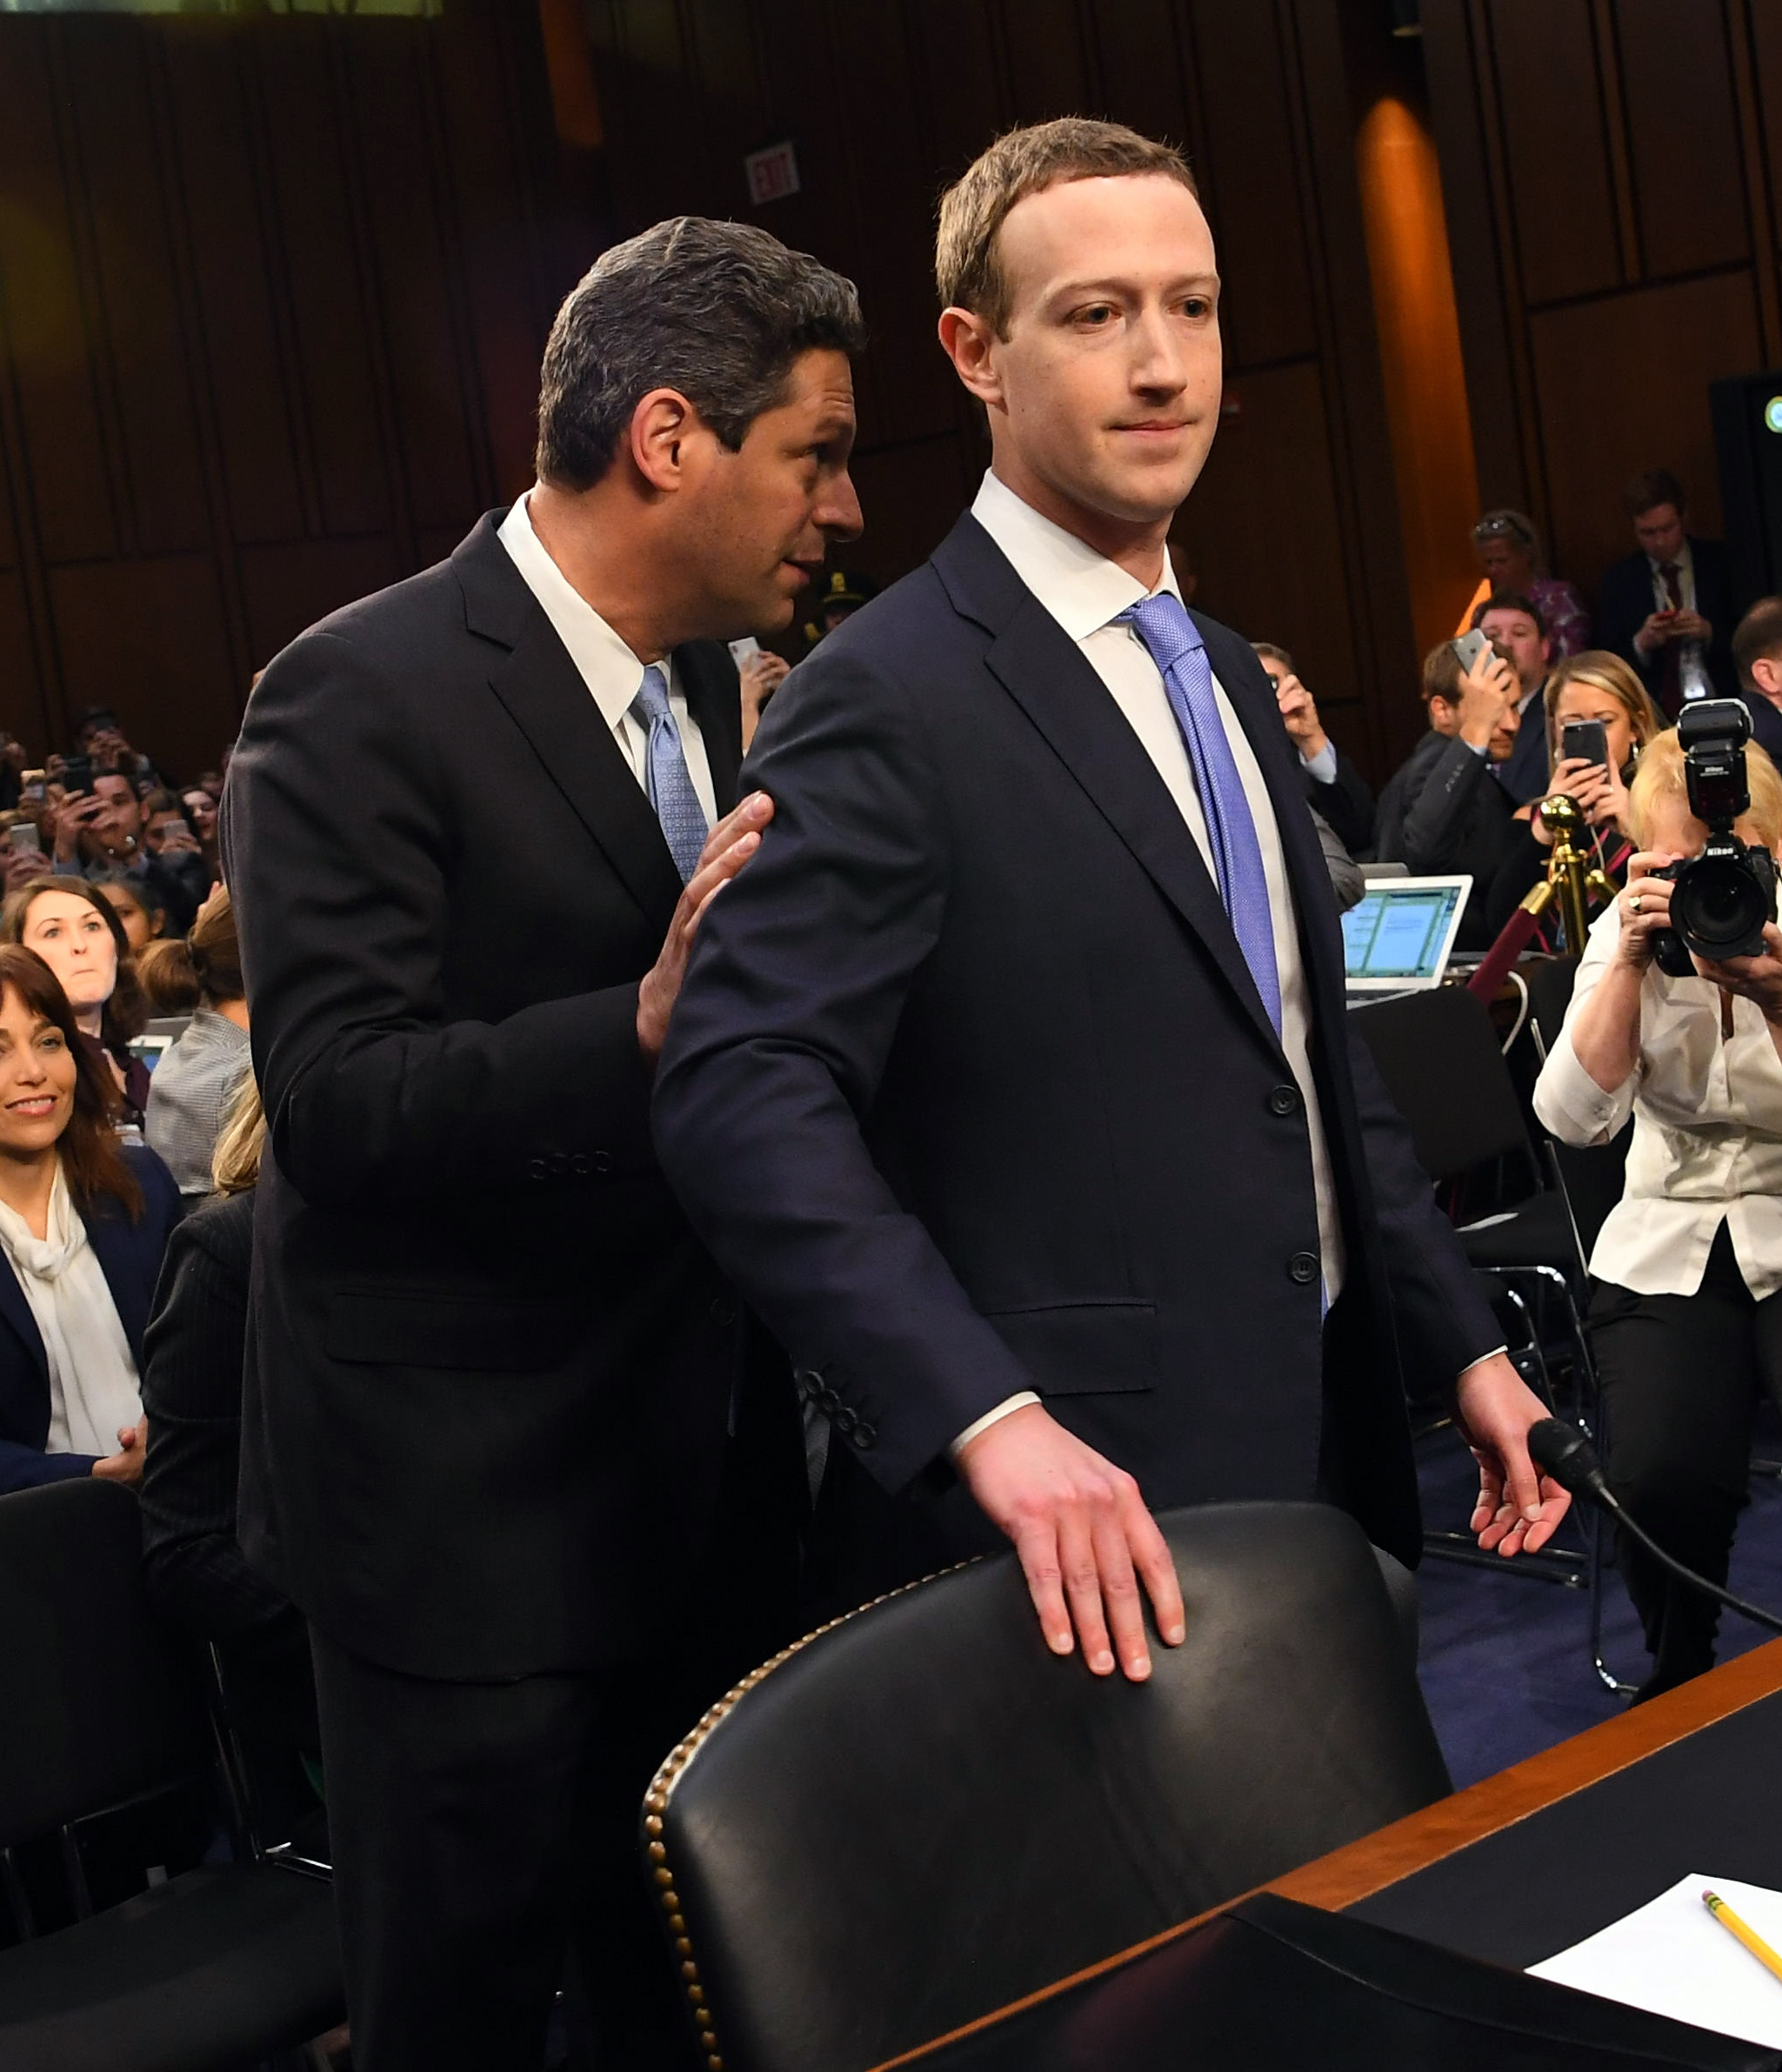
[[1018, 1402], [1569, 1103], [1479, 748], [1323, 765]]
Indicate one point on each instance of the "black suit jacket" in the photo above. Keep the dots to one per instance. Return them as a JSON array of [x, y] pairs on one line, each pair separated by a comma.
[[970, 1090], [1625, 603], [1345, 803], [130, 1257], [488, 1367]]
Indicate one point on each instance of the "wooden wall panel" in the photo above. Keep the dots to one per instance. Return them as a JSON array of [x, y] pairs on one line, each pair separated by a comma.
[[272, 294], [1613, 162], [1549, 104]]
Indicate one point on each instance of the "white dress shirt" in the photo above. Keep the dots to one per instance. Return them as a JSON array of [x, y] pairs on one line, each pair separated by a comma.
[[612, 673], [1707, 1131], [1085, 593]]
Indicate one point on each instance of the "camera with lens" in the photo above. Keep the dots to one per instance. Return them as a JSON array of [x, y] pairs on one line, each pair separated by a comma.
[[1722, 900]]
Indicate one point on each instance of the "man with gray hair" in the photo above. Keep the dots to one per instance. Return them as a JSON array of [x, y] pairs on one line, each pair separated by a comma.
[[500, 1440]]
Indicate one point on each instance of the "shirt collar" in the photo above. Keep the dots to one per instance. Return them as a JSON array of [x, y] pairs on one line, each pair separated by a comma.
[[606, 665], [1685, 560], [1081, 589]]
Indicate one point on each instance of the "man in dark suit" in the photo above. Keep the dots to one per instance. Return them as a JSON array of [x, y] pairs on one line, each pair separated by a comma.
[[1669, 610], [1335, 789], [1012, 1081], [1756, 655], [470, 828]]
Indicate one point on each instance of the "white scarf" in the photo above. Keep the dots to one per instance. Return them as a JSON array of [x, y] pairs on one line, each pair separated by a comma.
[[93, 1388]]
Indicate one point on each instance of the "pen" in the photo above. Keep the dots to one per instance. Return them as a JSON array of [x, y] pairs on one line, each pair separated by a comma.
[[1733, 1926]]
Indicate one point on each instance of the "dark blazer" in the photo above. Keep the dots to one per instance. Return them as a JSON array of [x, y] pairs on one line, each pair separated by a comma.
[[129, 1256], [971, 1091], [1345, 805], [488, 1367], [1625, 603], [1523, 773], [1441, 812]]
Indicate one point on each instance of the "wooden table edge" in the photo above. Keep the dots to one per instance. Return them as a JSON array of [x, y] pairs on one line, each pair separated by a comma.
[[1366, 1867]]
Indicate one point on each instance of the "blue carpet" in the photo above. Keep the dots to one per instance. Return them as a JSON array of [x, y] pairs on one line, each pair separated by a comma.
[[1505, 1662]]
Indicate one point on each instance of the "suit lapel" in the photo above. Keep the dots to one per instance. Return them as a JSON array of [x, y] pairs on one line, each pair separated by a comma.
[[708, 678], [17, 1311], [546, 698], [1043, 670]]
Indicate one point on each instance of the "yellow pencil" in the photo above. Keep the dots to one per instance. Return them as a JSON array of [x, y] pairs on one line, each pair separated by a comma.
[[1733, 1926]]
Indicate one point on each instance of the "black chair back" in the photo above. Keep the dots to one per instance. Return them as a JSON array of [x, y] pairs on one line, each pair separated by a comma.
[[102, 1703], [920, 1814], [1441, 1064]]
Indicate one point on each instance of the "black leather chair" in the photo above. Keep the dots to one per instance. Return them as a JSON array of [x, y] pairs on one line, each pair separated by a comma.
[[215, 1969], [919, 1815]]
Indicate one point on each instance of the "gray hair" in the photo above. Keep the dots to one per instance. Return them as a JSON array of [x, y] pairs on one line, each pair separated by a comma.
[[720, 311]]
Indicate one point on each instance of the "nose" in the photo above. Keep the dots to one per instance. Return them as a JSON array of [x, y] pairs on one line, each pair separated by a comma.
[[1158, 363], [839, 512]]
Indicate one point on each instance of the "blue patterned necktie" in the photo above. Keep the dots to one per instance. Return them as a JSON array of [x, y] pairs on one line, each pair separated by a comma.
[[683, 824], [1163, 626]]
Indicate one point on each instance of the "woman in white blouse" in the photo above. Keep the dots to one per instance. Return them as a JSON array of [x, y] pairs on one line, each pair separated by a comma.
[[1686, 1319]]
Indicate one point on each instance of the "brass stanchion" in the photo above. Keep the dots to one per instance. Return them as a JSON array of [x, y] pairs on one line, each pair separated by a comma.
[[1572, 879]]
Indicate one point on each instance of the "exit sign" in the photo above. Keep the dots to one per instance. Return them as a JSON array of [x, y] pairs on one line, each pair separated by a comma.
[[773, 174]]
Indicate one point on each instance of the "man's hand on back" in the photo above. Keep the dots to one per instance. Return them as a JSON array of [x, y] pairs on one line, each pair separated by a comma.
[[1083, 1536], [727, 847]]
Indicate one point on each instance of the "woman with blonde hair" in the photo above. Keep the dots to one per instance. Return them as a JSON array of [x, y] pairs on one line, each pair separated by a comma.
[[1593, 685], [1686, 1316]]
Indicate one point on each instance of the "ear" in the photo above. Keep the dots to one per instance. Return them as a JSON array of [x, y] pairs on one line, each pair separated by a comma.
[[660, 425], [969, 342]]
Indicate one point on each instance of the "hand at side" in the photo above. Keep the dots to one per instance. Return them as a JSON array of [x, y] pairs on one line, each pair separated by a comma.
[[1519, 1510], [1084, 1537]]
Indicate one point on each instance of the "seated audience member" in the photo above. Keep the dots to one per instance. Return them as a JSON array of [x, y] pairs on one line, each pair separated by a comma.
[[1593, 685], [1339, 793], [134, 905], [103, 830], [99, 733], [1756, 655], [1439, 813], [198, 1077], [1509, 551], [1514, 626], [201, 810], [1686, 1318], [1668, 609], [760, 673], [165, 973], [17, 859], [83, 1223], [78, 935], [195, 1574]]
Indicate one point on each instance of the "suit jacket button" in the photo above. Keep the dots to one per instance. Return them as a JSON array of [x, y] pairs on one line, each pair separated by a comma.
[[1303, 1267], [601, 1163], [579, 1165], [863, 1434], [724, 1309], [559, 1164], [828, 1401], [1283, 1100], [535, 1169], [845, 1421]]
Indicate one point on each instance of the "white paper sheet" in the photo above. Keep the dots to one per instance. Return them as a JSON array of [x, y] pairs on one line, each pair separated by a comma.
[[1672, 1957]]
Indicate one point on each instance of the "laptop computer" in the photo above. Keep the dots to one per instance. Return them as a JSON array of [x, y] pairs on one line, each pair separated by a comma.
[[1400, 935]]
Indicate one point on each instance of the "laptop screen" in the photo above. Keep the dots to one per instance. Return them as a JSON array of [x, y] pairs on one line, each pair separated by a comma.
[[1401, 930]]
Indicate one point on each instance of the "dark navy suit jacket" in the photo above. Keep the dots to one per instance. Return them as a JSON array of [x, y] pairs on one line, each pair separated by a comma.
[[129, 1255], [1625, 603], [970, 1089]]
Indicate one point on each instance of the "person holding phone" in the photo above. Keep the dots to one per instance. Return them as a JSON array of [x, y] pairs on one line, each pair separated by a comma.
[[1600, 719]]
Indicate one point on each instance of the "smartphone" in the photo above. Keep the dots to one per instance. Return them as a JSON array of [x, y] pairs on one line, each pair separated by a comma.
[[77, 774], [1585, 741], [1468, 647], [31, 783], [24, 838]]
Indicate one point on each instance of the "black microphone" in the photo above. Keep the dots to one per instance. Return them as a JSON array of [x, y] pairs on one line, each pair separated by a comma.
[[1562, 1452]]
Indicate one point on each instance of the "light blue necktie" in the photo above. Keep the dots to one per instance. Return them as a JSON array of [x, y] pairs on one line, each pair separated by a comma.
[[1163, 626], [683, 824]]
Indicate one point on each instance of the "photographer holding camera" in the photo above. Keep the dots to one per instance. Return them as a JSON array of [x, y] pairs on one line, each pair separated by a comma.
[[1676, 1018]]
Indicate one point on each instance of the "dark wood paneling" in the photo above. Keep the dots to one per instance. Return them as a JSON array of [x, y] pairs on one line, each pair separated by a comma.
[[1549, 96], [1622, 384], [272, 294], [1677, 79]]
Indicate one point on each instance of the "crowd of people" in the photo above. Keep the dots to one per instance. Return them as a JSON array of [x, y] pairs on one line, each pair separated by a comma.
[[1004, 1090]]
